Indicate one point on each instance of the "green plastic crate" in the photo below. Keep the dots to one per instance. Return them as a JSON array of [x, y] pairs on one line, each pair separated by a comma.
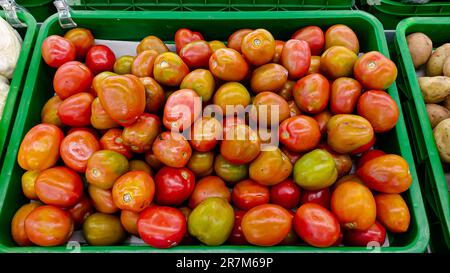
[[210, 5], [391, 12], [429, 165], [40, 9], [136, 25], [16, 84]]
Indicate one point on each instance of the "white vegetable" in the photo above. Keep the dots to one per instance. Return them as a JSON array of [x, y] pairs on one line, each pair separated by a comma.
[[10, 46], [4, 89]]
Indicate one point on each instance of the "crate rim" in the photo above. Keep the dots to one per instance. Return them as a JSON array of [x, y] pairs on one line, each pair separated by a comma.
[[389, 3]]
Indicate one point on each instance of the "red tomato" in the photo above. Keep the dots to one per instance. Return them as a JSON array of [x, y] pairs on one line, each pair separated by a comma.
[[76, 148], [296, 58], [82, 39], [379, 109], [248, 194], [112, 140], [299, 133], [314, 36], [237, 236], [344, 95], [196, 54], [311, 93], [100, 58], [72, 78], [374, 71], [59, 186], [320, 197], [39, 149], [374, 236], [205, 134], [81, 211], [235, 39], [161, 227], [184, 36], [172, 149], [285, 194], [174, 185], [182, 108], [133, 191], [76, 110], [316, 225], [57, 50], [369, 155], [84, 129]]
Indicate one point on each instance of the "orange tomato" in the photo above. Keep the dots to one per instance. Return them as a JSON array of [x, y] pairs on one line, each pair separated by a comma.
[[268, 77], [129, 220], [49, 113], [311, 93], [378, 108], [140, 135], [133, 191], [268, 104], [375, 71], [169, 69], [154, 94], [209, 186], [338, 61], [18, 224], [258, 47], [143, 63], [270, 167], [76, 148], [28, 181], [112, 140], [99, 118], [341, 35], [172, 149], [152, 43], [299, 133], [235, 39], [102, 200], [393, 212], [104, 167], [241, 144], [82, 39], [278, 49], [227, 64], [205, 134]]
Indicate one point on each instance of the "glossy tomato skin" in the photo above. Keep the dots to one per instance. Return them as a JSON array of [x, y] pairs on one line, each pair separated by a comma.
[[28, 181], [286, 90], [393, 212], [169, 69], [196, 54], [316, 225], [248, 194], [140, 165], [140, 135], [380, 109], [201, 81], [18, 224], [235, 39], [152, 43], [286, 194], [182, 108], [49, 113], [293, 109], [162, 227], [72, 78], [82, 39], [205, 134], [100, 58], [264, 102], [129, 220], [376, 234], [296, 58], [142, 65], [112, 140], [369, 155], [201, 163], [387, 173], [184, 36], [278, 49], [240, 145], [266, 225], [99, 118], [173, 185], [80, 211], [258, 47], [209, 186], [270, 167], [314, 36], [172, 149], [154, 94], [39, 149], [237, 236], [76, 148], [216, 45], [337, 61], [227, 64], [343, 162], [231, 94], [123, 98], [102, 200], [320, 197], [133, 191], [231, 173], [57, 50], [104, 167], [76, 110], [375, 71], [268, 77], [300, 133], [314, 67], [48, 226], [311, 93], [345, 93], [98, 79], [322, 120], [123, 65], [341, 35]]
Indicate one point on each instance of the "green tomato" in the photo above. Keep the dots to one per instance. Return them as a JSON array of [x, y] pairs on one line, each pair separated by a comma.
[[201, 81], [315, 170], [123, 64], [211, 221], [228, 171], [201, 163], [101, 229]]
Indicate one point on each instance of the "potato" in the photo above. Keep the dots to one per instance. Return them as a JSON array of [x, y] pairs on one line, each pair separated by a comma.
[[446, 67], [446, 102], [436, 62], [436, 113], [442, 137], [420, 47], [434, 89]]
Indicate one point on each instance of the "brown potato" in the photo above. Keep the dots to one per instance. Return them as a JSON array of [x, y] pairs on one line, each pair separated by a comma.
[[446, 67], [436, 62], [442, 137], [434, 89], [420, 47], [436, 113]]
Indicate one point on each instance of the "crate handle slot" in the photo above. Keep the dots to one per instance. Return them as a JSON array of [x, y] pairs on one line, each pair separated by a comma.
[[11, 7], [65, 19]]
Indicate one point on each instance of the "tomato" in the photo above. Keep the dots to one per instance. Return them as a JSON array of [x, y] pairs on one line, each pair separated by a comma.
[[201, 81], [18, 224], [216, 45], [345, 93], [343, 162], [376, 234], [258, 47], [72, 78], [393, 212], [337, 61], [196, 54], [201, 163], [28, 181], [240, 145], [365, 147], [270, 108], [296, 58], [285, 194], [227, 64], [299, 133], [80, 211], [354, 205], [140, 165], [228, 171], [286, 91], [271, 167], [237, 236], [76, 148], [311, 93], [154, 94], [104, 167], [39, 149], [152, 43], [112, 140], [129, 220], [102, 200], [205, 134], [140, 135], [123, 98], [182, 108], [99, 118], [350, 177], [49, 113], [316, 225], [169, 69], [209, 186], [380, 109], [57, 51], [314, 36], [82, 39], [266, 225], [235, 39], [173, 185], [133, 191], [347, 133], [375, 71], [230, 96], [278, 49], [369, 155], [341, 35], [184, 36], [315, 170], [320, 197], [314, 67], [322, 120], [98, 79], [268, 77], [76, 110], [142, 65], [48, 226], [387, 173], [123, 64], [100, 58], [172, 149], [248, 194], [102, 229], [292, 156], [292, 237], [293, 109]]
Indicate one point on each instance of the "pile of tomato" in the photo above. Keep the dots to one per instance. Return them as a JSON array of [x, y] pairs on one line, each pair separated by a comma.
[[110, 156]]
